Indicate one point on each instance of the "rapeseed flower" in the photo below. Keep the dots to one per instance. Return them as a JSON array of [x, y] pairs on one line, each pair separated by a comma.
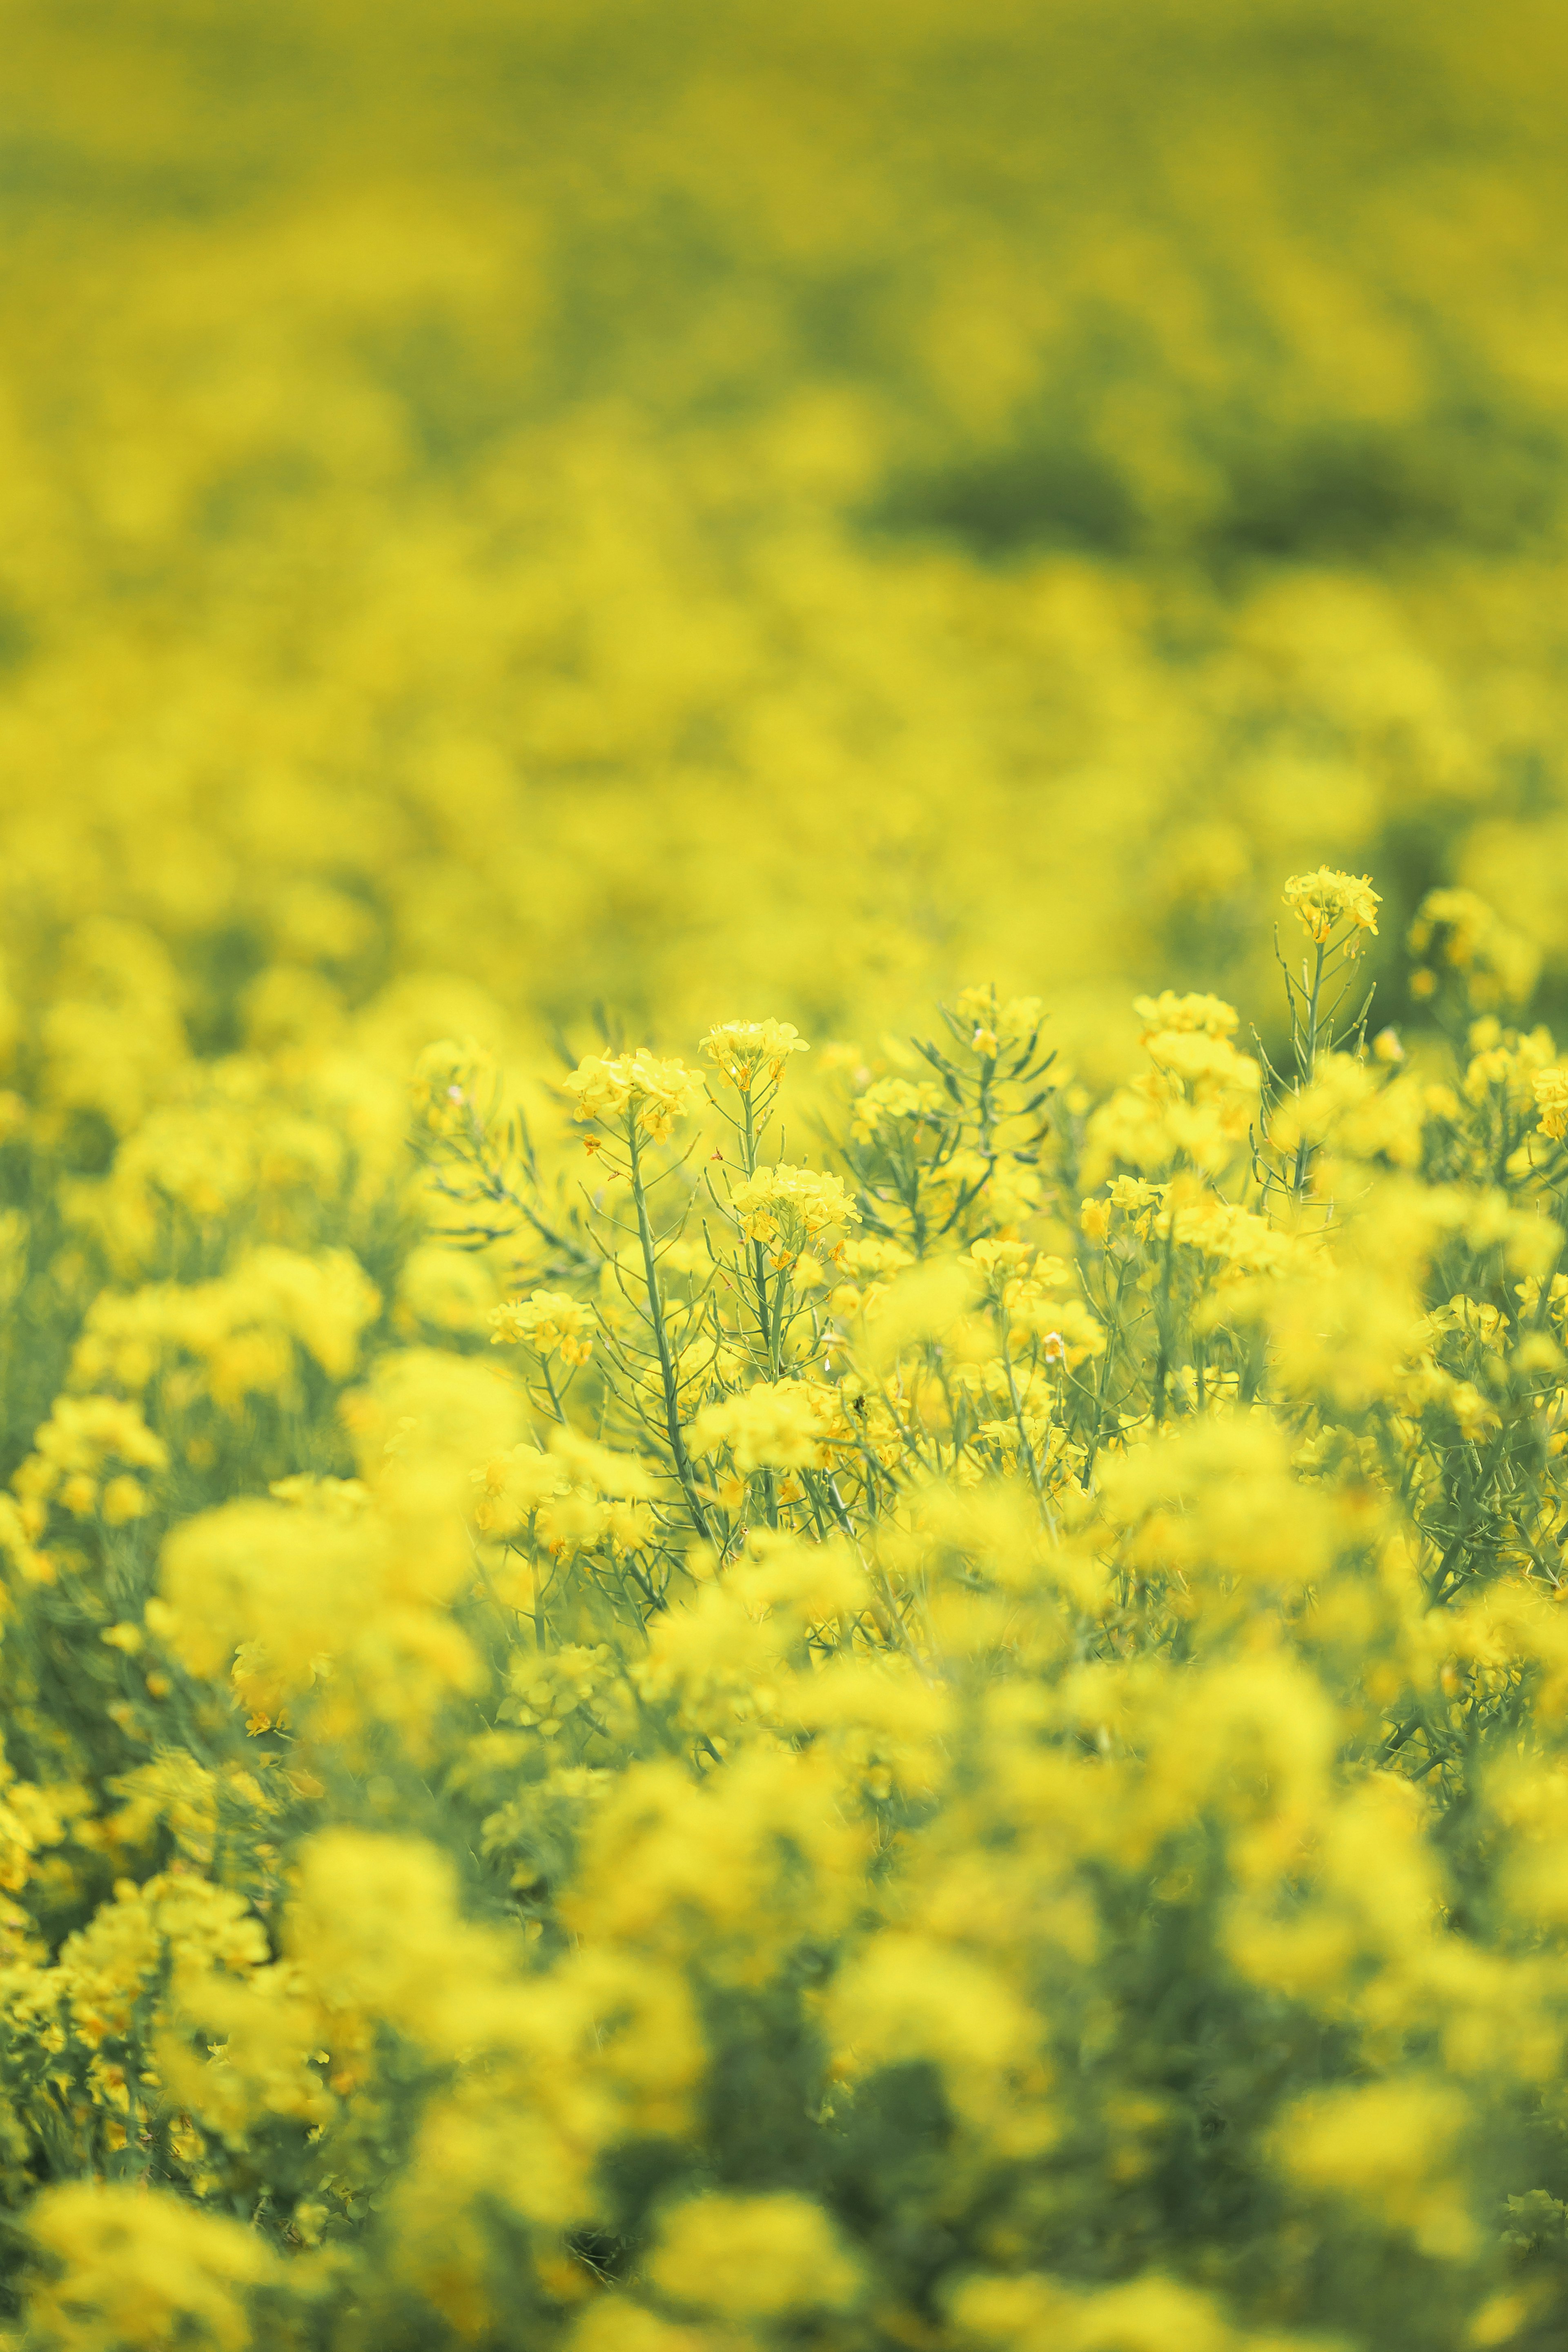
[[1325, 898]]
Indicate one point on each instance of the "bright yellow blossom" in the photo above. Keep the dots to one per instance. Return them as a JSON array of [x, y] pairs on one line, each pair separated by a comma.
[[741, 1048], [1325, 898], [788, 1209], [1551, 1088], [551, 1322], [654, 1093]]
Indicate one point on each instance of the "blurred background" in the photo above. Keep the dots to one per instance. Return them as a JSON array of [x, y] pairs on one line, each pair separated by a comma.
[[733, 511]]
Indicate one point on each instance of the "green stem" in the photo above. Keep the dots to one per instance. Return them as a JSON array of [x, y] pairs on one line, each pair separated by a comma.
[[678, 1455], [1046, 1518], [1306, 1044], [1104, 1384], [1162, 1358]]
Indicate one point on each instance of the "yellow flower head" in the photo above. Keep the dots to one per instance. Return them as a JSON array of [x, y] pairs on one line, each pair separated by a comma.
[[1551, 1102], [876, 1115], [1327, 897], [741, 1048], [781, 1424], [1457, 931], [138, 2271], [753, 2257], [551, 1322], [1190, 1016], [655, 1093], [997, 1022], [786, 1208]]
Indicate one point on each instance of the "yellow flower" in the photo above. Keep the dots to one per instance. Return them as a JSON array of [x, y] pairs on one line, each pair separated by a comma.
[[1460, 931], [654, 1093], [1385, 2146], [1094, 1222], [138, 2270], [1326, 897], [786, 1208], [1551, 1102], [550, 1322], [1193, 1014], [892, 1102], [741, 1048], [785, 1424], [754, 2258], [993, 1023]]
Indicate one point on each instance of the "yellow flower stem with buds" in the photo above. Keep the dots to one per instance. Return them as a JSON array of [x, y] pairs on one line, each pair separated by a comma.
[[770, 1295], [1337, 911]]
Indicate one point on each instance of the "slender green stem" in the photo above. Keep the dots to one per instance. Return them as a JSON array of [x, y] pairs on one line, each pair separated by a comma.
[[1102, 1384], [1306, 1042], [667, 1381], [1046, 1516]]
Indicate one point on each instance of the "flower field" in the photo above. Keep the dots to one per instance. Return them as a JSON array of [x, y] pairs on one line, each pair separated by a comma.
[[783, 1186]]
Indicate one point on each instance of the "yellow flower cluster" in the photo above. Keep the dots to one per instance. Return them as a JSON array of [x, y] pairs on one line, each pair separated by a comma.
[[245, 1331], [786, 1210], [894, 1103], [551, 1322], [1550, 1090], [1194, 1105], [71, 1453], [995, 1022], [1325, 900], [741, 1048], [780, 1422], [654, 1093], [1455, 932]]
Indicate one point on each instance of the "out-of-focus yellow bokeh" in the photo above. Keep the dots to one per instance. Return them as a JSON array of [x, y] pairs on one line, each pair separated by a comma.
[[721, 510]]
